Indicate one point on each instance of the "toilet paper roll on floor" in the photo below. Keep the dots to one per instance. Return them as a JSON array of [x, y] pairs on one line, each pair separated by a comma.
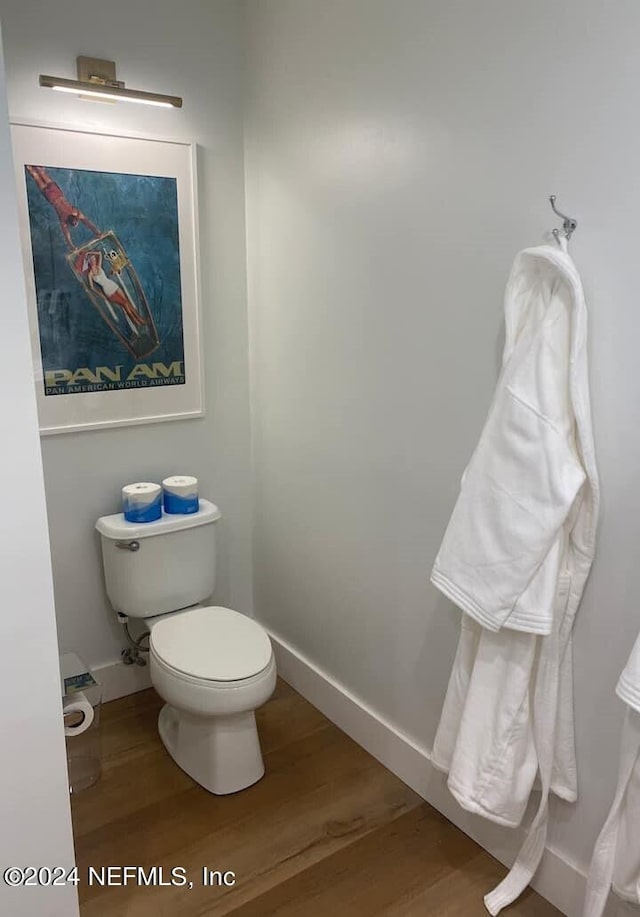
[[77, 713], [180, 494], [142, 502]]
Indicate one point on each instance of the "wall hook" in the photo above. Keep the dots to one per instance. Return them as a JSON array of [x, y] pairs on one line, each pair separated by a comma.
[[569, 225]]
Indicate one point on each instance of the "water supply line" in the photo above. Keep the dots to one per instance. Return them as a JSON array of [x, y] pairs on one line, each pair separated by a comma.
[[131, 655]]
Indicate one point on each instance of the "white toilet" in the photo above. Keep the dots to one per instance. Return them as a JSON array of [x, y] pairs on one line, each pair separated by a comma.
[[213, 666]]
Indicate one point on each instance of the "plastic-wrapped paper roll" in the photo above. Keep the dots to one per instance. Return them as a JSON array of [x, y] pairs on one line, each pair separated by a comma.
[[77, 713], [180, 494], [142, 502]]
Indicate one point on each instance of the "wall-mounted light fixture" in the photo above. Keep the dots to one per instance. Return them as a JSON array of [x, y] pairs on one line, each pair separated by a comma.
[[97, 80]]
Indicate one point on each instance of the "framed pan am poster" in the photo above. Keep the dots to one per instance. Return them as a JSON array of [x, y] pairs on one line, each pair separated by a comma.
[[109, 235]]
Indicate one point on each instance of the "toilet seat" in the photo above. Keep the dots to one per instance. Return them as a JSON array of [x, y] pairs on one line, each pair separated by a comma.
[[211, 644], [210, 684]]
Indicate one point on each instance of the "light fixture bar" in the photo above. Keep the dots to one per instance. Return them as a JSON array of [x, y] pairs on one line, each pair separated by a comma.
[[106, 90]]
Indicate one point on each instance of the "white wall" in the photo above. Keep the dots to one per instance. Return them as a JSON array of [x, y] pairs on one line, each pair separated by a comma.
[[191, 49], [398, 156], [34, 799]]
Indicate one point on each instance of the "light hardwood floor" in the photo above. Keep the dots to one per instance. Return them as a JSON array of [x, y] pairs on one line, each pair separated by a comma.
[[328, 832]]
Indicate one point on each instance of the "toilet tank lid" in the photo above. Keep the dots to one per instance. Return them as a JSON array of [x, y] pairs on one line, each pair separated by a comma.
[[117, 528]]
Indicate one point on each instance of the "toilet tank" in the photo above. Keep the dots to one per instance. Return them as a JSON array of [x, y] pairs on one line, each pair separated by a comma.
[[155, 567]]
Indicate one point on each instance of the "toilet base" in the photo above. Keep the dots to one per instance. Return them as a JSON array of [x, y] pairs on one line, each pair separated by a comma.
[[221, 753]]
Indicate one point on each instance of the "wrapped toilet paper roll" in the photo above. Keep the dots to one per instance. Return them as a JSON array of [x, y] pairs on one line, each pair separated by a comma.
[[142, 502], [77, 713], [180, 494]]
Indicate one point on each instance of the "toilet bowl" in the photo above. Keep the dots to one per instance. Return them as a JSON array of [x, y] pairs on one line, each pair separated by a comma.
[[213, 667]]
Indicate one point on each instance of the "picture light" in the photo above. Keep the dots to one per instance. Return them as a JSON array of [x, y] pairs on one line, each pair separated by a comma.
[[97, 80]]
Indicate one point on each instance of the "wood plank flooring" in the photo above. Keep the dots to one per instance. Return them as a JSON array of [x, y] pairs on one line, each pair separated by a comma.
[[328, 832]]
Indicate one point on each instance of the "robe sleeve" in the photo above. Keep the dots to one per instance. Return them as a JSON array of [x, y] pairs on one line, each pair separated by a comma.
[[628, 688], [522, 480]]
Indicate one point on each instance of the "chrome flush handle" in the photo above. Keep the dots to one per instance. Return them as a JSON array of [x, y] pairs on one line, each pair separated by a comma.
[[128, 545]]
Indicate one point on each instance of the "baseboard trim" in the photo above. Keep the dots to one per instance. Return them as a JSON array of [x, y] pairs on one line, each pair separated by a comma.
[[118, 679], [558, 880]]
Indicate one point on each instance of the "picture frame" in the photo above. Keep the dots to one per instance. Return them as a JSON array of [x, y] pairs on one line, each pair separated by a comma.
[[109, 231]]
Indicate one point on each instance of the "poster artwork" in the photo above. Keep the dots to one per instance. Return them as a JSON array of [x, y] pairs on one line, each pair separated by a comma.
[[106, 260]]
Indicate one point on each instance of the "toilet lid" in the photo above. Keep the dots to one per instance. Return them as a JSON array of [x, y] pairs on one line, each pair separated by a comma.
[[213, 643]]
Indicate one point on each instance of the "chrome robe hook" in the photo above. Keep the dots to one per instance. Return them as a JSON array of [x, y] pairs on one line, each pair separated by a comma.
[[569, 225]]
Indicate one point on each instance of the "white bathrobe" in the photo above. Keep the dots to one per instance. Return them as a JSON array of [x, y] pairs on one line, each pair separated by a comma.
[[616, 857], [515, 558]]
